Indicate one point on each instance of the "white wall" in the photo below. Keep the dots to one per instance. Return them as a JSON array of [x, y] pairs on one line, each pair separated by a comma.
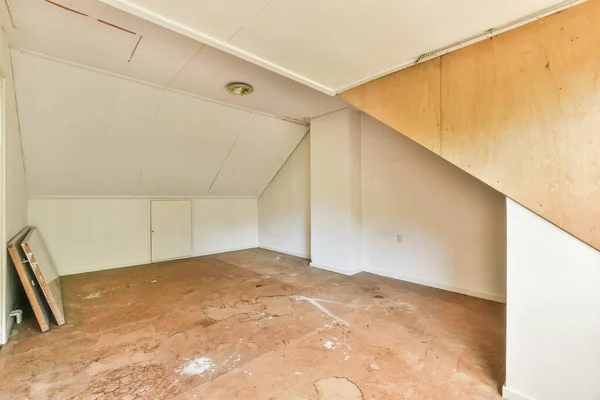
[[335, 187], [15, 194], [92, 234], [221, 225], [452, 225], [284, 206], [86, 235], [553, 312]]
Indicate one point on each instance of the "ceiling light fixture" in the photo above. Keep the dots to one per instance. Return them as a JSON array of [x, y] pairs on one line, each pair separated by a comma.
[[240, 89]]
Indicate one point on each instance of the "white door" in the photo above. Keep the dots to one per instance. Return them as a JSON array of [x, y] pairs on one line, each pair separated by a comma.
[[171, 229]]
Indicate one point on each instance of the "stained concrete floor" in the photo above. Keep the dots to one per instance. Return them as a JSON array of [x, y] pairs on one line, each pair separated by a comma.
[[256, 324]]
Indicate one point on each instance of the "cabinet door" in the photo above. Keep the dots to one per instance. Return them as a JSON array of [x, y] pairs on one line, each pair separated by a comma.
[[171, 229]]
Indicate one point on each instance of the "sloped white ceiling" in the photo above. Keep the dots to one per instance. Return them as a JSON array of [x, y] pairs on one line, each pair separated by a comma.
[[331, 44], [135, 48], [252, 163], [190, 141], [88, 133]]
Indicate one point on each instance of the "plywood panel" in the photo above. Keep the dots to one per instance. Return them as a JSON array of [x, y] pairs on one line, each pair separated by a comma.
[[45, 272], [521, 112], [28, 280], [408, 101]]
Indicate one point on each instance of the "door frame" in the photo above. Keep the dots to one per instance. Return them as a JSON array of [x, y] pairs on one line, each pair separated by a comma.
[[5, 322]]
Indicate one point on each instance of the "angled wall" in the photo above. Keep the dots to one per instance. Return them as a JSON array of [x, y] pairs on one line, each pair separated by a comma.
[[284, 206], [518, 111], [452, 226], [552, 346], [336, 192]]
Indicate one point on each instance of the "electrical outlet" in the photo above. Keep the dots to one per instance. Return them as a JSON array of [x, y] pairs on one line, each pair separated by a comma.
[[399, 238]]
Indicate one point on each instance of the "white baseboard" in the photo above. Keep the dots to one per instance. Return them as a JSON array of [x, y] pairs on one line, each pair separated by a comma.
[[509, 394], [338, 270], [291, 253], [450, 288], [143, 262], [220, 251], [102, 268]]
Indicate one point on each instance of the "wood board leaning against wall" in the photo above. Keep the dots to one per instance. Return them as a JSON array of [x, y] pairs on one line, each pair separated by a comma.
[[519, 111], [45, 272], [28, 280]]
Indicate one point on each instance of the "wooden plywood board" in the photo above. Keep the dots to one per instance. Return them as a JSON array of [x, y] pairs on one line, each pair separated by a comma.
[[521, 112], [45, 272], [408, 101], [28, 280]]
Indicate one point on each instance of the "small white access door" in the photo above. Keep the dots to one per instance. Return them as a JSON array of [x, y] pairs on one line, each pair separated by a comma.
[[171, 225]]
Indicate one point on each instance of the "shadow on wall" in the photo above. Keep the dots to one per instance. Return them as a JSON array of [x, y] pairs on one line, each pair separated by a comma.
[[427, 221]]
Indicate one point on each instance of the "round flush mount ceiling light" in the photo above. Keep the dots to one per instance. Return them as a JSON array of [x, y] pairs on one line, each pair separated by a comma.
[[240, 89]]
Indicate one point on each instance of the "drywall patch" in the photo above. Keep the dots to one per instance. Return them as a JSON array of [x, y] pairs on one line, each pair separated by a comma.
[[338, 389]]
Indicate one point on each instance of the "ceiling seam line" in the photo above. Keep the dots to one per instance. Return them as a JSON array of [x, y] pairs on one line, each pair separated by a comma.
[[228, 153], [167, 86], [127, 78], [285, 162], [14, 83], [150, 138], [250, 20]]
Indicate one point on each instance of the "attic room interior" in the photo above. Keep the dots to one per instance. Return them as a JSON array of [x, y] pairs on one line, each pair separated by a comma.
[[300, 200]]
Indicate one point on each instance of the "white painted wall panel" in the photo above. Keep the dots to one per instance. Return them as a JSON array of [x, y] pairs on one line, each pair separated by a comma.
[[452, 225], [15, 208], [336, 242], [92, 234], [261, 148], [284, 206], [222, 225], [191, 139], [171, 225], [84, 133], [552, 346]]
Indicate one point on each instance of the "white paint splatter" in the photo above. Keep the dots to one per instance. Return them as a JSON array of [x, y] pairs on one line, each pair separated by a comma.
[[94, 295], [315, 302], [153, 281], [197, 366], [329, 345], [297, 373]]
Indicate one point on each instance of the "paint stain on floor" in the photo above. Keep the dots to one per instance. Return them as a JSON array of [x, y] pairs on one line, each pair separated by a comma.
[[256, 324]]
